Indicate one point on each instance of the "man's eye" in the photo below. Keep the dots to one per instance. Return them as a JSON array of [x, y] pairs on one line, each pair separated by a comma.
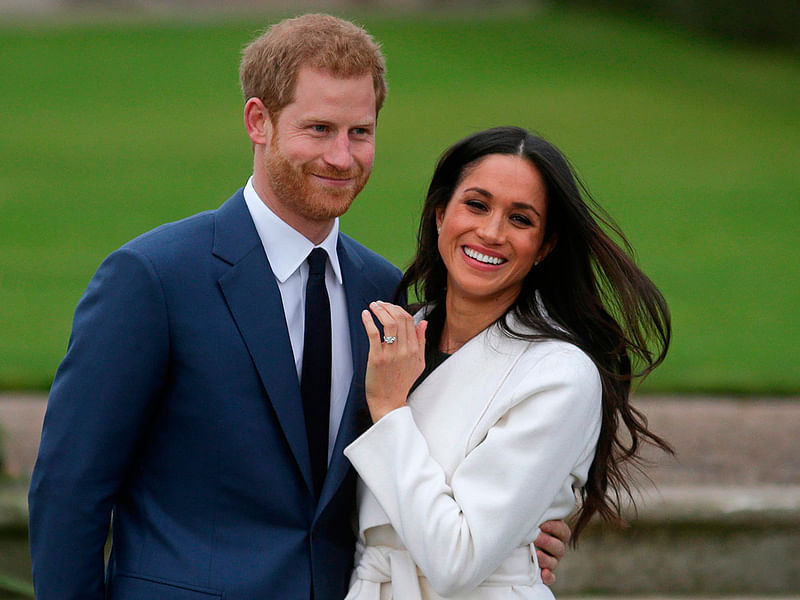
[[319, 128]]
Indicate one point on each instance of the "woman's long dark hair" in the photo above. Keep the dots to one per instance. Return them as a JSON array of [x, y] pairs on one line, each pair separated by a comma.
[[588, 291]]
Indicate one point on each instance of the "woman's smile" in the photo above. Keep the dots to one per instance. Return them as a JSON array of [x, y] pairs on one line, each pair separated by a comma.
[[484, 259]]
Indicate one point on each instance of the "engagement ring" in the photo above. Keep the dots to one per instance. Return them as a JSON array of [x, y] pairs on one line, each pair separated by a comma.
[[389, 339]]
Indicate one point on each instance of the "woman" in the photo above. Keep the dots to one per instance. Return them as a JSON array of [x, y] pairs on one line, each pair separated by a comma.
[[533, 318]]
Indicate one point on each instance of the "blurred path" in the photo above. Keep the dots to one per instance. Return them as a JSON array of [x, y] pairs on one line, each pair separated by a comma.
[[21, 416]]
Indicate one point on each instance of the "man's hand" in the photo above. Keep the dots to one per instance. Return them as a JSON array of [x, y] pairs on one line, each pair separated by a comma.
[[551, 545]]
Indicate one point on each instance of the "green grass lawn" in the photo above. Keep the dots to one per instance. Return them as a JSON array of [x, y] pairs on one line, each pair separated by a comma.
[[109, 130]]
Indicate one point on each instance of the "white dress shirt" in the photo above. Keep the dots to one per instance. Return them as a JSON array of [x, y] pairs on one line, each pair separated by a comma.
[[287, 250]]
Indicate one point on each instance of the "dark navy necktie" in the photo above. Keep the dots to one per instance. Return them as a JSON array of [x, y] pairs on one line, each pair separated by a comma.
[[315, 381]]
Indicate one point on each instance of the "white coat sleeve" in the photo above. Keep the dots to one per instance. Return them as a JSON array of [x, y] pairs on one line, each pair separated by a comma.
[[459, 532]]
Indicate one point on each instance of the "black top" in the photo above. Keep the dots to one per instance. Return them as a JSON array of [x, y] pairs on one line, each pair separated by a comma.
[[433, 335]]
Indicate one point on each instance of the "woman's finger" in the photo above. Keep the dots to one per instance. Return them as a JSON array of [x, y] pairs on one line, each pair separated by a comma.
[[372, 330], [385, 318], [420, 329], [403, 324]]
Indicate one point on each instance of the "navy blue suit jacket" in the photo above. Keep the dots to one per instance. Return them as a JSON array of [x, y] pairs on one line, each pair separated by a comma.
[[177, 408]]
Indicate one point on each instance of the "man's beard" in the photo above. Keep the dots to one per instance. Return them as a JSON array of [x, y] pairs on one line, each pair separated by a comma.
[[296, 189]]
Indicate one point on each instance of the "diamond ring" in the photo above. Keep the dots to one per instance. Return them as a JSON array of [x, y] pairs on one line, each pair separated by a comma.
[[389, 339]]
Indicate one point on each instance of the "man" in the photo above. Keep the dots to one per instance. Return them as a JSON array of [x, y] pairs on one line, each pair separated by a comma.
[[178, 407]]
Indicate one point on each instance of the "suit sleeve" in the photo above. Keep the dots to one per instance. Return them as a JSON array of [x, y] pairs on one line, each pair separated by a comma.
[[459, 532], [99, 402]]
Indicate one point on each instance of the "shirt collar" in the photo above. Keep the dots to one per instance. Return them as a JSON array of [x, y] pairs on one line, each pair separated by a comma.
[[286, 247]]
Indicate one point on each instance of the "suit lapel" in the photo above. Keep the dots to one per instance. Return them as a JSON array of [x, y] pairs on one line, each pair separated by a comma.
[[254, 300]]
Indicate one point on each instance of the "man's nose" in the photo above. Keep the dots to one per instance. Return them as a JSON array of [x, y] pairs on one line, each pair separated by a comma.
[[339, 154]]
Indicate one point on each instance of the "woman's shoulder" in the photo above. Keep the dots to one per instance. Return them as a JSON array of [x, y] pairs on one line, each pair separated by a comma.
[[520, 343], [547, 360], [513, 332], [550, 353], [560, 356]]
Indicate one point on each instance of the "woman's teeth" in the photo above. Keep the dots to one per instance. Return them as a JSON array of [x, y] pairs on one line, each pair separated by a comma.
[[489, 260]]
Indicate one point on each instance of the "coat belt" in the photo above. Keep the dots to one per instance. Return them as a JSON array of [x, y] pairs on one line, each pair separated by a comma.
[[383, 564]]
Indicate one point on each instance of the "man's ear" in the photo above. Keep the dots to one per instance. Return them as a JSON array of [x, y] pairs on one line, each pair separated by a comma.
[[257, 121]]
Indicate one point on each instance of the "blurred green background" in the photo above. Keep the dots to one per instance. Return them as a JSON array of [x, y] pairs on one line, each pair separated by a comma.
[[690, 142]]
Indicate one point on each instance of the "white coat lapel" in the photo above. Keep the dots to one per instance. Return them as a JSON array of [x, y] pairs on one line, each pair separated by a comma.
[[449, 403]]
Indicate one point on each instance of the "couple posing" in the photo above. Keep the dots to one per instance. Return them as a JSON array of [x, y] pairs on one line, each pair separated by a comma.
[[187, 406]]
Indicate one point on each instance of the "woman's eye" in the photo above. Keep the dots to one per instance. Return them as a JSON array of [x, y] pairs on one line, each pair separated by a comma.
[[521, 219], [476, 204]]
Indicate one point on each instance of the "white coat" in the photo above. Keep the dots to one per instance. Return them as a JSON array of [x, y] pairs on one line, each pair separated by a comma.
[[453, 486]]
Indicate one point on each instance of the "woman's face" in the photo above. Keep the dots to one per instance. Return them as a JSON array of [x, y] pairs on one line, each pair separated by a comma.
[[492, 230]]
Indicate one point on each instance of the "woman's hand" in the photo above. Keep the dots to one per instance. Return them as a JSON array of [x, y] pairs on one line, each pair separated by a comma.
[[392, 368]]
